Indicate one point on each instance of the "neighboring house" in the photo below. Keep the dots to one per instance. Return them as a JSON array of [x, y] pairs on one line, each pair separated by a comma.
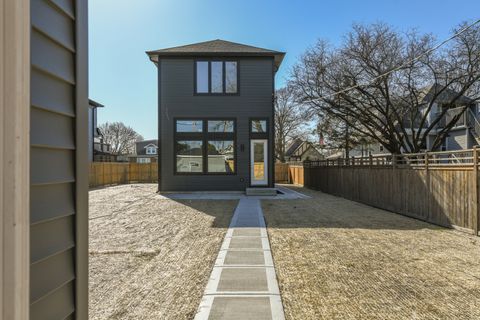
[[466, 132], [216, 116], [146, 151], [300, 150], [97, 149]]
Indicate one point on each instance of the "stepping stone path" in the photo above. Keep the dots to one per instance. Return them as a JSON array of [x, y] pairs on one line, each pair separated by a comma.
[[243, 284]]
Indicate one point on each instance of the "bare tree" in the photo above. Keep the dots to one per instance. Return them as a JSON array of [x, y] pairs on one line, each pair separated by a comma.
[[335, 134], [398, 79], [290, 120], [121, 138]]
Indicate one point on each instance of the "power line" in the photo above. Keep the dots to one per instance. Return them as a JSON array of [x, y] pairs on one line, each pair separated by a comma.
[[399, 67]]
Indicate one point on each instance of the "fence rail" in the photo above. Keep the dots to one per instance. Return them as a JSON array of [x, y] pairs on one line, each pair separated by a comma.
[[437, 187], [463, 158]]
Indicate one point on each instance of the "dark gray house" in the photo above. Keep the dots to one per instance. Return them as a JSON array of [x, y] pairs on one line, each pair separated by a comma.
[[216, 116]]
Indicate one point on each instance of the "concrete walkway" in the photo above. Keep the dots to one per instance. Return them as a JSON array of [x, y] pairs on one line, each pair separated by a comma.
[[243, 284]]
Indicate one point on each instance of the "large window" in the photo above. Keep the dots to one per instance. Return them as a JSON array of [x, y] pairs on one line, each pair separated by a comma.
[[189, 156], [216, 77], [205, 146]]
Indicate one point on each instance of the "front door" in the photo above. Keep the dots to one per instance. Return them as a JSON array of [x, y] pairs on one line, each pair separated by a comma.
[[259, 162]]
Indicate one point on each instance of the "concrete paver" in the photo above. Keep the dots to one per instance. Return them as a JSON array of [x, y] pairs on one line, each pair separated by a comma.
[[243, 284]]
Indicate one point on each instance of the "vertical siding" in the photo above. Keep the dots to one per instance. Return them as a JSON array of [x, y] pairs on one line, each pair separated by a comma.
[[177, 99], [54, 188]]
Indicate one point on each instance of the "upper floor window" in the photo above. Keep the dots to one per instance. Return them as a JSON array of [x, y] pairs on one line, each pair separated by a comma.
[[151, 150], [216, 77]]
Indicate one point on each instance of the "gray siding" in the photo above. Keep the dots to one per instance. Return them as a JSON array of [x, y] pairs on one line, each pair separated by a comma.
[[458, 140], [177, 99], [56, 120]]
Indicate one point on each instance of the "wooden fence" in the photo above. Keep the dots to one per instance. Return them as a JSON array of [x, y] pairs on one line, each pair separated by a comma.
[[109, 173], [289, 173], [437, 187]]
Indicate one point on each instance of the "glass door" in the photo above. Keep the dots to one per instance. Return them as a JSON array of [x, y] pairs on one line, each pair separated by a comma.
[[259, 162]]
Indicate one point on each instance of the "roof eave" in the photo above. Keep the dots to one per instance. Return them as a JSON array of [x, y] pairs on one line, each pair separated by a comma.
[[277, 56]]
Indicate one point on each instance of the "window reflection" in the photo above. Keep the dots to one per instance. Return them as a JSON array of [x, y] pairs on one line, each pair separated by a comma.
[[220, 126], [189, 156], [221, 156]]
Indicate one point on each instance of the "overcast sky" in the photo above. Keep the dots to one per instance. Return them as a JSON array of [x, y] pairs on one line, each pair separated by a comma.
[[124, 80]]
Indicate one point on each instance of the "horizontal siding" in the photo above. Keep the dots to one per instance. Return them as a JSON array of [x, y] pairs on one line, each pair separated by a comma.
[[51, 166], [50, 274], [57, 305], [67, 6], [52, 160], [57, 60], [50, 20], [178, 100], [51, 237], [42, 86], [52, 129], [51, 201]]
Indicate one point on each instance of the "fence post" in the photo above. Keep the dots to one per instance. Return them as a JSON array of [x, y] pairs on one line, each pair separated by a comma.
[[370, 160], [476, 216], [394, 161], [427, 182]]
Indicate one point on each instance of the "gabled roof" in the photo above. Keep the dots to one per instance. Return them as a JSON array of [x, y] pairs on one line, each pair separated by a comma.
[[141, 146], [446, 96], [151, 144], [217, 47], [293, 146], [298, 147]]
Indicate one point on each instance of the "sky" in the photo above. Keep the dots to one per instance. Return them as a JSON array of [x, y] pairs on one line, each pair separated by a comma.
[[120, 31]]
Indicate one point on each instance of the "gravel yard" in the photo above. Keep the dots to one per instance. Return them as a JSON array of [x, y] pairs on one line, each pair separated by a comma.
[[338, 259], [150, 256]]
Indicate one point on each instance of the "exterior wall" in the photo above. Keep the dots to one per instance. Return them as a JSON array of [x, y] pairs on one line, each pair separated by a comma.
[[311, 154], [14, 159], [92, 125], [59, 160], [458, 140], [177, 99]]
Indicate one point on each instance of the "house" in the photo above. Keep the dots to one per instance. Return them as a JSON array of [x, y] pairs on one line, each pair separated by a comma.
[[98, 150], [216, 116], [465, 133], [300, 150], [145, 151]]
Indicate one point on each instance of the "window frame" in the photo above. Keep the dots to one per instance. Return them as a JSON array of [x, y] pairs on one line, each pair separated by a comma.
[[223, 60], [259, 135], [149, 149], [205, 137]]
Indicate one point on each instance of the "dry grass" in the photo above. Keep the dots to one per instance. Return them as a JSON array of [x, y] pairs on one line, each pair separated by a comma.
[[337, 259], [150, 257]]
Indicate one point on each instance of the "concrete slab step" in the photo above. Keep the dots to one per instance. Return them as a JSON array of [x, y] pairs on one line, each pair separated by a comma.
[[261, 192]]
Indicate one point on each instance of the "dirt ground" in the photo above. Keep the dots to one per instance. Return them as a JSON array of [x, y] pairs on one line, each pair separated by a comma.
[[151, 257], [338, 259]]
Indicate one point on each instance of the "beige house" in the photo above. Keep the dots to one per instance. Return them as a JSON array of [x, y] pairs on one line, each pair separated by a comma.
[[300, 150]]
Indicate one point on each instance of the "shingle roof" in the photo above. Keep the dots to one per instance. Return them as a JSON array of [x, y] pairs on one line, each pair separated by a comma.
[[293, 146], [217, 48]]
